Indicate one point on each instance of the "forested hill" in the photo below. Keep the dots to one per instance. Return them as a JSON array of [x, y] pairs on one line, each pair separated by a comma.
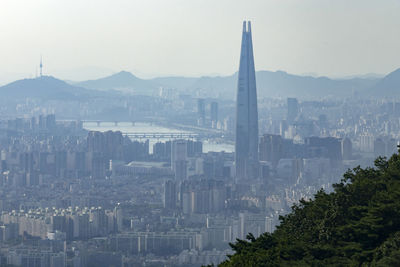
[[356, 225]]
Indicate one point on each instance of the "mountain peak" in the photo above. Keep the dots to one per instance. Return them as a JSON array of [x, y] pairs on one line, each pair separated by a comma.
[[125, 74], [41, 87], [122, 80], [395, 72], [388, 86], [39, 81]]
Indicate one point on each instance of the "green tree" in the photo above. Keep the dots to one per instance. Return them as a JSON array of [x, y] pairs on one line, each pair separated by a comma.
[[358, 224]]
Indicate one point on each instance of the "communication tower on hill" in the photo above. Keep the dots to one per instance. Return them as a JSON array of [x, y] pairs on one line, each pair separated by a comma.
[[41, 66]]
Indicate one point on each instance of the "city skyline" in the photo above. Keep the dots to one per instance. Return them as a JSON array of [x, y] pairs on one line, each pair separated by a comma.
[[151, 159]]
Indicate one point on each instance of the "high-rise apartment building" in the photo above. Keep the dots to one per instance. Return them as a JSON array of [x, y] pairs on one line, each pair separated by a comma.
[[271, 148], [346, 146], [292, 109], [201, 112], [170, 195], [214, 111], [179, 157]]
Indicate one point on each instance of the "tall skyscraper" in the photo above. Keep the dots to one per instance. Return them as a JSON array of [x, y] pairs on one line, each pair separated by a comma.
[[246, 147]]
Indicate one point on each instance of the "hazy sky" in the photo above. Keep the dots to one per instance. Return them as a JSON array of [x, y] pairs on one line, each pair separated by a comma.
[[89, 38]]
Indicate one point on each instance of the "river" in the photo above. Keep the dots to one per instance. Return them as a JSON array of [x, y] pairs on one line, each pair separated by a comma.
[[127, 127]]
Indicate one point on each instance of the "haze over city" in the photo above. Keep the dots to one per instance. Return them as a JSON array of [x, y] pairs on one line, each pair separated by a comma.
[[82, 40], [199, 133]]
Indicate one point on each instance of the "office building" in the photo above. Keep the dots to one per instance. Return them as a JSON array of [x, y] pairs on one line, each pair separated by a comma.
[[292, 109], [170, 195]]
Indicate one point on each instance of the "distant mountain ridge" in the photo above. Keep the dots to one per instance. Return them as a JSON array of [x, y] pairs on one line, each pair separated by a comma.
[[388, 86], [269, 84], [283, 84]]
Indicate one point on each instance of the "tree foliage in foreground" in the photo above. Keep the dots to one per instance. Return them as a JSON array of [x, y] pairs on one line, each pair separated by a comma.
[[358, 224]]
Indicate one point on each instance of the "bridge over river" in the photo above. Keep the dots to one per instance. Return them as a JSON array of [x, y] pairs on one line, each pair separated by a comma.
[[172, 135], [150, 130]]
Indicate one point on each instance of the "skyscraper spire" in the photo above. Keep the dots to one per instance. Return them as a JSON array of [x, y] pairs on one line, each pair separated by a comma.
[[246, 145]]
